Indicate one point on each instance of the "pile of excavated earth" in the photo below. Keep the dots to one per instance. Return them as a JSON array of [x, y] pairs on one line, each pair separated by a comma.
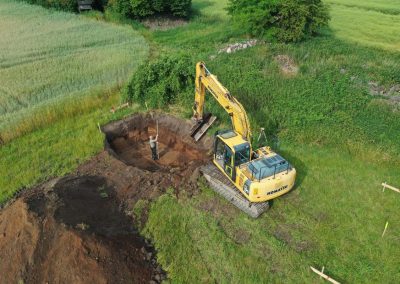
[[77, 229]]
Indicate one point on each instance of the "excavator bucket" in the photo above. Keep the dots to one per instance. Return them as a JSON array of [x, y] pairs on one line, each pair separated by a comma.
[[200, 128]]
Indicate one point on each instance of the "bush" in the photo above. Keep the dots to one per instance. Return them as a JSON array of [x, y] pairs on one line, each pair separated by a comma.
[[180, 8], [161, 82], [282, 20], [146, 8]]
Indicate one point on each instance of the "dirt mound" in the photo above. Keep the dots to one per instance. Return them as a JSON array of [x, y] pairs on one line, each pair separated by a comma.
[[72, 231], [79, 229]]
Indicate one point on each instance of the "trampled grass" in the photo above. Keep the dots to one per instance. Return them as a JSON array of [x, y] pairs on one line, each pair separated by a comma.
[[48, 56], [369, 23]]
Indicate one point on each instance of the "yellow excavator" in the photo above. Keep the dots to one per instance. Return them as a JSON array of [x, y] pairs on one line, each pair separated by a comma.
[[246, 178]]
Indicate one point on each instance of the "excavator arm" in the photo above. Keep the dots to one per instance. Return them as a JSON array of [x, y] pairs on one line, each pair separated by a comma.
[[207, 81]]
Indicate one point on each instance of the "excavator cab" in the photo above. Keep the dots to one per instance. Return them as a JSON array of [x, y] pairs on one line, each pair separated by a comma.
[[230, 151]]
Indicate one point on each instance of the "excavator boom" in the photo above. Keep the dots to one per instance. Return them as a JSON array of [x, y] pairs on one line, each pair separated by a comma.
[[246, 178], [207, 81]]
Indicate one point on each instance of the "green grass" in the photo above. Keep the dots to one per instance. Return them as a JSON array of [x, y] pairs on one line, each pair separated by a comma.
[[384, 6], [48, 57], [342, 141], [369, 23], [57, 149], [334, 218]]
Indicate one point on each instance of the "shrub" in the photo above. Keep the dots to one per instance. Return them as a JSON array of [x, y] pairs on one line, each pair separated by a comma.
[[180, 8], [122, 7], [161, 82], [145, 8], [282, 20]]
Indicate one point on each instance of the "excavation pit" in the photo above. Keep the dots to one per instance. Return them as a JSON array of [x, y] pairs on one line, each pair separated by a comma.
[[128, 141]]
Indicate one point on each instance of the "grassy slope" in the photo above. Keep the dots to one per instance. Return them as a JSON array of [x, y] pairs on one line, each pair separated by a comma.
[[370, 23], [336, 215], [48, 57]]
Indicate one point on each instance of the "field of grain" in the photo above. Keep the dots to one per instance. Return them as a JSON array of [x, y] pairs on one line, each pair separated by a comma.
[[369, 23], [48, 57]]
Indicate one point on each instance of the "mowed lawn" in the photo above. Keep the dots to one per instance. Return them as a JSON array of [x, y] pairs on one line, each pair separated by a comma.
[[371, 23], [48, 57]]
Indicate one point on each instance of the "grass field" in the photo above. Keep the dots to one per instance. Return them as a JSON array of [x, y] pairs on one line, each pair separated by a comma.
[[342, 141], [48, 58], [369, 23]]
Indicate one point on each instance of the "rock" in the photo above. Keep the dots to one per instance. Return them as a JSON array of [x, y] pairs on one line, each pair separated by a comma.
[[229, 50], [342, 71], [157, 278]]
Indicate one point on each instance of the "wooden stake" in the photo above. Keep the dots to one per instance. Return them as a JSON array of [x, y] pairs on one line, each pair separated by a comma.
[[384, 231], [326, 277], [385, 185], [158, 152]]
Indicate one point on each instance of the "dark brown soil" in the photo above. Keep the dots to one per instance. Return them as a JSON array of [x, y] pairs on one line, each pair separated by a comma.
[[79, 229]]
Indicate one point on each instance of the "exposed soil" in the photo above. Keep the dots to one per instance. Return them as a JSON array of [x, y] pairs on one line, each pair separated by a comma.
[[287, 65], [79, 229], [163, 23]]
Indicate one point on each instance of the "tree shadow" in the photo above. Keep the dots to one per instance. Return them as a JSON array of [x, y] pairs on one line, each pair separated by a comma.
[[199, 6]]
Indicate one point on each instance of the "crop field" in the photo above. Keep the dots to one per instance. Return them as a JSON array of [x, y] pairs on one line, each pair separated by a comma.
[[325, 119], [48, 58], [370, 23]]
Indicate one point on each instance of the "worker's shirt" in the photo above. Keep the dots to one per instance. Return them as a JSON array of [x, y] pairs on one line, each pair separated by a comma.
[[153, 143]]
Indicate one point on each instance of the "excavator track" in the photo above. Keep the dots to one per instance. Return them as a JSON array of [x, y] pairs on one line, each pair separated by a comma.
[[223, 186]]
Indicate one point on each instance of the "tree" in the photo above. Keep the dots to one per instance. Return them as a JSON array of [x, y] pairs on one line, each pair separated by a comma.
[[282, 20]]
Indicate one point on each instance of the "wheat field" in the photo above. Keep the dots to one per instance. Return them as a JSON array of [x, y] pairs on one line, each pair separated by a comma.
[[47, 57]]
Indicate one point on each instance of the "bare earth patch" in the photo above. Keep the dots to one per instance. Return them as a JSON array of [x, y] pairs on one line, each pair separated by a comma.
[[287, 65], [163, 24], [80, 228]]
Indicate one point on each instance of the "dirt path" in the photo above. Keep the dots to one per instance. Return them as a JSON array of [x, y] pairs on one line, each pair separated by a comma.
[[78, 229]]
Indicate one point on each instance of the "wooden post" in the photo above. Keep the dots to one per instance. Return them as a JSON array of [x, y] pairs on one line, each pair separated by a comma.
[[326, 277], [384, 231], [385, 185], [158, 152]]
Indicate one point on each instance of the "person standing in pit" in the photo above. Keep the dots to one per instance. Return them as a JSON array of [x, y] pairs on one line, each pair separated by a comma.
[[153, 147]]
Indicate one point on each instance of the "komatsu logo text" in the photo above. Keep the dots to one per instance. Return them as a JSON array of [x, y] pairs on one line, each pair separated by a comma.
[[277, 190]]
